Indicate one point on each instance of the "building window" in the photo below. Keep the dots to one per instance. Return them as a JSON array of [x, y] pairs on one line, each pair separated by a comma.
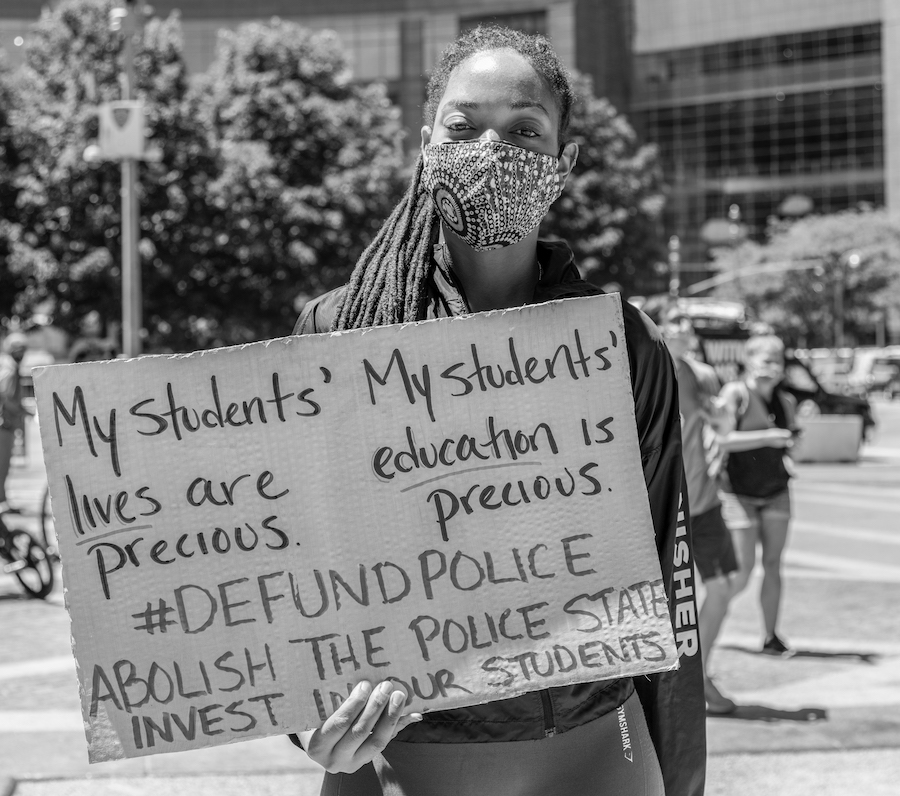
[[526, 21], [830, 142], [802, 133], [748, 54]]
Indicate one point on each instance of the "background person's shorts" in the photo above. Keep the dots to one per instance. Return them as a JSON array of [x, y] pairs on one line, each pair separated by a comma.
[[713, 548], [744, 513]]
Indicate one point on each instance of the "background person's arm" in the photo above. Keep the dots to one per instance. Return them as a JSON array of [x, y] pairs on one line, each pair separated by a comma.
[[732, 401]]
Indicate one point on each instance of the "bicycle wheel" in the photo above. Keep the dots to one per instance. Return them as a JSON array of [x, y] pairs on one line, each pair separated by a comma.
[[48, 527], [34, 570]]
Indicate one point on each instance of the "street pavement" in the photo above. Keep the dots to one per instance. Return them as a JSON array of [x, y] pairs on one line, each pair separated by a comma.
[[825, 721]]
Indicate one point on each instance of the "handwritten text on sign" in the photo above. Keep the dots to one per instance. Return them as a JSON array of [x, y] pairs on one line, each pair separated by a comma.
[[247, 532]]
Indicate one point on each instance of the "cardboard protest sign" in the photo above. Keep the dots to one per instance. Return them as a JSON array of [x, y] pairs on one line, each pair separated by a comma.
[[248, 532]]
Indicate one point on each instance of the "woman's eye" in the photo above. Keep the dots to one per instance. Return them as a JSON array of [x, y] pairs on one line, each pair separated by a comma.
[[458, 126], [526, 132]]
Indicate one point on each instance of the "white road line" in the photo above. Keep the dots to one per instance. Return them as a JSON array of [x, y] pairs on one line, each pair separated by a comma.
[[878, 452], [803, 564], [18, 721], [870, 686], [835, 498], [868, 488], [874, 488], [37, 667], [842, 531]]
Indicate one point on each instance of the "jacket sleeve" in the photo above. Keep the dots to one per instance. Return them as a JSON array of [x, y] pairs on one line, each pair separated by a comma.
[[317, 315], [673, 701]]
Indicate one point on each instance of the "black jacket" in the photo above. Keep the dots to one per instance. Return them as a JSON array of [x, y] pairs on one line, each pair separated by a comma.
[[673, 701]]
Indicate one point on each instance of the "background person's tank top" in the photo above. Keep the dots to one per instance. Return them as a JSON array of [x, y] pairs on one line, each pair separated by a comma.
[[760, 472]]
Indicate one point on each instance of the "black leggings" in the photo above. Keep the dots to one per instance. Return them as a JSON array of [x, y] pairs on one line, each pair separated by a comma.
[[611, 755]]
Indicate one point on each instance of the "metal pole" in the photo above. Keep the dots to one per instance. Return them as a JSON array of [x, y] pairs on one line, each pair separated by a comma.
[[131, 214], [131, 275], [839, 305]]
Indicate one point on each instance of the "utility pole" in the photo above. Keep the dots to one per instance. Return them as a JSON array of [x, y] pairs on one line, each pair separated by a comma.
[[130, 22], [122, 139]]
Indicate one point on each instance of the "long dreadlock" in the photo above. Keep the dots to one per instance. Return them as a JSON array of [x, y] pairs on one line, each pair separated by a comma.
[[388, 283]]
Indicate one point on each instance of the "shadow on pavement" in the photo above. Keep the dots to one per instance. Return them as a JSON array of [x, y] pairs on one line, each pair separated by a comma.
[[20, 596], [769, 714], [13, 597], [863, 657]]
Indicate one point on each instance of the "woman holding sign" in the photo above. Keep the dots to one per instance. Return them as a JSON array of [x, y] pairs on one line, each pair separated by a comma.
[[464, 239]]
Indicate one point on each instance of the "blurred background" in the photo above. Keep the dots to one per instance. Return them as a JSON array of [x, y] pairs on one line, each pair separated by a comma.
[[735, 151], [177, 175]]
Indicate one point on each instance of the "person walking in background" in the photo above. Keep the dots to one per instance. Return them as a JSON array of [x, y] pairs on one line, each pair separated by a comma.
[[463, 239], [758, 430], [12, 411], [698, 388]]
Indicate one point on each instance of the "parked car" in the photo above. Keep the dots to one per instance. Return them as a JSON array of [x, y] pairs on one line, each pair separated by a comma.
[[885, 377], [813, 399], [877, 370], [722, 329]]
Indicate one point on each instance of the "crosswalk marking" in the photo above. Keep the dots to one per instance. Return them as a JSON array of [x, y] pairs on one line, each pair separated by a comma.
[[806, 564], [36, 668], [16, 721], [842, 531], [839, 497]]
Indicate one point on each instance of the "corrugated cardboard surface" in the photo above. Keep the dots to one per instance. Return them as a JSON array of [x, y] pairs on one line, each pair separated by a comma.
[[247, 532]]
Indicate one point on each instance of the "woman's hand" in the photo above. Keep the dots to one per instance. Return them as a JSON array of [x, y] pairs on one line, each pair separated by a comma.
[[360, 728], [781, 438]]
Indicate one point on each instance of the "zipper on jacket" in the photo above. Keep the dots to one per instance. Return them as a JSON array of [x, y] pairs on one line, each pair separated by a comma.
[[549, 717]]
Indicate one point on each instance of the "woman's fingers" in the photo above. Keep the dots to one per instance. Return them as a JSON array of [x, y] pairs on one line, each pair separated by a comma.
[[385, 726], [339, 723], [361, 727], [405, 721], [375, 726], [382, 697]]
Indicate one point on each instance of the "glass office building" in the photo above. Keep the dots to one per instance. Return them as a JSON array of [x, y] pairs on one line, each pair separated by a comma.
[[765, 109]]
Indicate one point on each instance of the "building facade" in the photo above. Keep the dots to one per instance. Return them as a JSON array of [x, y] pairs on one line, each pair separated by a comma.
[[766, 109]]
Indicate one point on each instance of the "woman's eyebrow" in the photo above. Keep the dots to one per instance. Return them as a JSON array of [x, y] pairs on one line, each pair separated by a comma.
[[515, 105], [460, 103], [528, 103]]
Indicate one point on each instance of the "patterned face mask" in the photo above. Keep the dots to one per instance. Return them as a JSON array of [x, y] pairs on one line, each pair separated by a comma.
[[491, 194]]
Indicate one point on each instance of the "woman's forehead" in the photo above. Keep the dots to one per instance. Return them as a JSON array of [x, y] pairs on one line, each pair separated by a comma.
[[498, 77]]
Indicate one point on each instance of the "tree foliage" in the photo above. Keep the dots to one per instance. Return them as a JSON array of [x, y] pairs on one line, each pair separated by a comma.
[[10, 284], [307, 168], [610, 208], [66, 246], [277, 169], [274, 173], [808, 264]]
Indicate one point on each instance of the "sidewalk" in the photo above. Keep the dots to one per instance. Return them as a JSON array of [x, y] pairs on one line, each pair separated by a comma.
[[824, 722]]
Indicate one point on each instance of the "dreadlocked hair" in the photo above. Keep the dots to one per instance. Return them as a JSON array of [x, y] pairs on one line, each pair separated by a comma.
[[387, 284]]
